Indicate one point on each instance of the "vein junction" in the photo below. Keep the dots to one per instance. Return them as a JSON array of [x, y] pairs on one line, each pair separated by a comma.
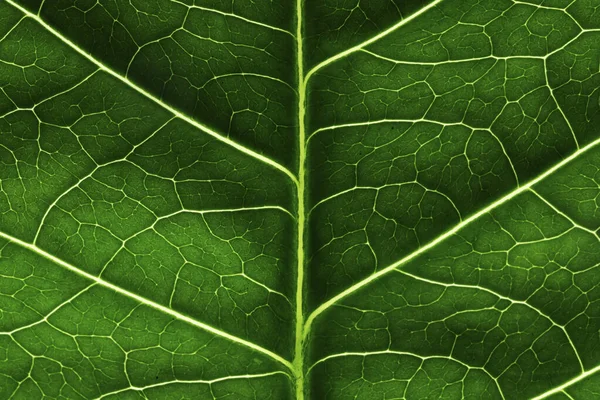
[[396, 146]]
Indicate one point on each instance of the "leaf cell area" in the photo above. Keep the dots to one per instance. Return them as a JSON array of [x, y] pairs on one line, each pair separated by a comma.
[[300, 199]]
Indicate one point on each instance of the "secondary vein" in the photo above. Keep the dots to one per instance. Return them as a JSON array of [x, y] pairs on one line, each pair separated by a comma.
[[372, 40], [565, 385], [155, 99], [145, 301], [521, 189]]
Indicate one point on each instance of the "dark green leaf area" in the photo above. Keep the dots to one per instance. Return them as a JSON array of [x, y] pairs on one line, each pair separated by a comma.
[[229, 268], [9, 18], [223, 64], [34, 157], [508, 295], [208, 174], [367, 232], [99, 330], [446, 116], [440, 172], [333, 26], [586, 12], [95, 169], [466, 166], [107, 120], [270, 387], [473, 29], [31, 288], [574, 76], [400, 375], [35, 64], [526, 121], [587, 388], [575, 191]]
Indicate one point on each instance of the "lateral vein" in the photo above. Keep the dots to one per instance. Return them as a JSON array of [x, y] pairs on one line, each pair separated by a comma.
[[198, 381], [232, 15], [145, 301], [372, 40], [565, 385], [502, 297], [155, 99], [521, 189]]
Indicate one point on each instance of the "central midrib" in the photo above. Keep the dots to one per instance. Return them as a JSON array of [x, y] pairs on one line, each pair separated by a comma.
[[298, 362], [302, 327], [303, 324]]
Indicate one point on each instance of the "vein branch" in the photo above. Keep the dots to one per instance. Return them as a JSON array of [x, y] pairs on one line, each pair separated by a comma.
[[219, 136], [191, 382], [372, 40], [565, 385], [449, 233], [145, 301], [233, 15]]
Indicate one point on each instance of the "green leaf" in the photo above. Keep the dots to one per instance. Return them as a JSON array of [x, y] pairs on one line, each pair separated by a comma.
[[333, 199]]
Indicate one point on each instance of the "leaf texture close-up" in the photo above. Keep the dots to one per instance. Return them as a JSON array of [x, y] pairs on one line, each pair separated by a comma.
[[300, 199]]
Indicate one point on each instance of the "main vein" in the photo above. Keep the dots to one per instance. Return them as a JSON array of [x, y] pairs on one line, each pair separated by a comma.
[[144, 300], [155, 99], [298, 361]]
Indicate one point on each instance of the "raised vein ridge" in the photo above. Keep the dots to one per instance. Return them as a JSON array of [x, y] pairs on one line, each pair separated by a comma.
[[568, 383], [155, 99], [372, 40], [521, 189], [145, 301]]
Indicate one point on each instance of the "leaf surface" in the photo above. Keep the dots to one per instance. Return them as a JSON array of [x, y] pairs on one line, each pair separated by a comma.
[[314, 199]]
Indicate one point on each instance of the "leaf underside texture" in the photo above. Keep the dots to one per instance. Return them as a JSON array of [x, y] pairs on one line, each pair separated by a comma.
[[300, 199]]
